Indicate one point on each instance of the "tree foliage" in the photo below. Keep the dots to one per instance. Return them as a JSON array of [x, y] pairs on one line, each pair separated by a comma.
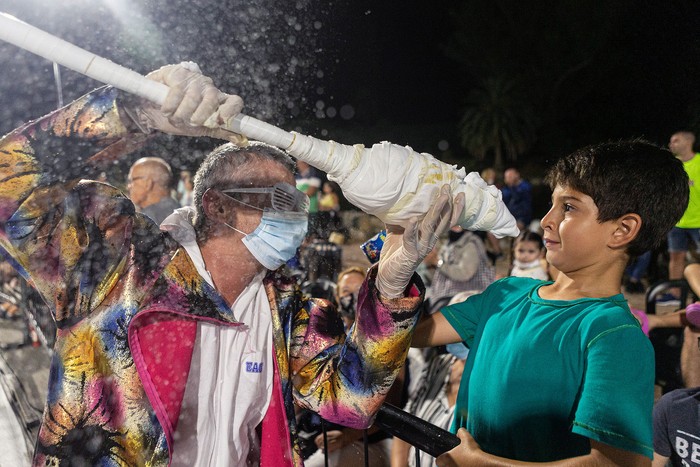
[[497, 120]]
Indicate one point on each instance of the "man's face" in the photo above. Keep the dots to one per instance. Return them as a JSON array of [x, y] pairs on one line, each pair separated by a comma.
[[138, 185], [511, 177], [348, 287], [350, 284], [268, 173], [678, 143]]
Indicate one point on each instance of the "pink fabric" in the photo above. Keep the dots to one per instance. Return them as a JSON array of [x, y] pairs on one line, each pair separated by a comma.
[[643, 319], [162, 350], [692, 314], [275, 445]]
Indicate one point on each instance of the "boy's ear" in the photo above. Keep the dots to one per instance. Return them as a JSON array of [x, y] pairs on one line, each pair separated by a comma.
[[627, 230]]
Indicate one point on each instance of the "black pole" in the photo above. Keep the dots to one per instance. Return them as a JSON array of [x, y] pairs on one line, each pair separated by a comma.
[[421, 434]]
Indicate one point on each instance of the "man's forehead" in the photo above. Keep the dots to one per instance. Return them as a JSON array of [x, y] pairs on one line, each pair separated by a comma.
[[267, 173]]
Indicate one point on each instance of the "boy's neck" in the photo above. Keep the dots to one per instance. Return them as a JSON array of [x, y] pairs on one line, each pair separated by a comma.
[[585, 284]]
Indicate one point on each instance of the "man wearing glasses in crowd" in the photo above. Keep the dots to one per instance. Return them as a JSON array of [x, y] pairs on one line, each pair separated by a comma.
[[149, 185], [187, 345]]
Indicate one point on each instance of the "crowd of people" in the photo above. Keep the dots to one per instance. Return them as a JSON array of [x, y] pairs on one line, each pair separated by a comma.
[[192, 329]]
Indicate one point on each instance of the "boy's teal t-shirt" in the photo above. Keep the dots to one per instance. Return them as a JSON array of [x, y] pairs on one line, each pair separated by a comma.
[[542, 376]]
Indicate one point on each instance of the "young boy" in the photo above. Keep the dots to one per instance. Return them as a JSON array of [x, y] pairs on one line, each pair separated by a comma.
[[560, 371]]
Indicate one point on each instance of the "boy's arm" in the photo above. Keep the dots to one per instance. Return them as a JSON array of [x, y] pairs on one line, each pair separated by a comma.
[[433, 330], [659, 460], [469, 453]]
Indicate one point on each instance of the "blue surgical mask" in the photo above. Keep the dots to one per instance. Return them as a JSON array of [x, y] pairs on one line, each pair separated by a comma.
[[277, 237]]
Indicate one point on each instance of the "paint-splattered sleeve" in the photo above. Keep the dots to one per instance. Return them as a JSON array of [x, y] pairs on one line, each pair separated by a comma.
[[54, 226], [346, 380]]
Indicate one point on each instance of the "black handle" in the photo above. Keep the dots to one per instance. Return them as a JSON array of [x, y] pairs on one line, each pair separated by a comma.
[[423, 435]]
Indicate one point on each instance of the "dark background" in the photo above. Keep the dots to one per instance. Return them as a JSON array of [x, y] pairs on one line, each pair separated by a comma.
[[535, 79]]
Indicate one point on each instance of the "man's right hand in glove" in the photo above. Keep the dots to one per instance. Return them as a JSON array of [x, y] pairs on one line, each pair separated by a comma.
[[193, 106]]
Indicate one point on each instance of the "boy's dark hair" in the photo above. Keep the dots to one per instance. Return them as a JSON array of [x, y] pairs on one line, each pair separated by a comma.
[[624, 177]]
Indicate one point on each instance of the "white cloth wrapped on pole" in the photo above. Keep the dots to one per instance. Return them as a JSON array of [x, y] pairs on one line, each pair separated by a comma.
[[396, 183]]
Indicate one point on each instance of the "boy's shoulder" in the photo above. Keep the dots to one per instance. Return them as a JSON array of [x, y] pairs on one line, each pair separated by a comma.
[[512, 287]]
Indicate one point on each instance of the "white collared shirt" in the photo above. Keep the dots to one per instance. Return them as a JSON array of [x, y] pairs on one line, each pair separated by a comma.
[[229, 386]]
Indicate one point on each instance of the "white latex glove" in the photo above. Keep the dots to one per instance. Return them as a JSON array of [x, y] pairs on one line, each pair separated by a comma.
[[193, 106], [404, 250]]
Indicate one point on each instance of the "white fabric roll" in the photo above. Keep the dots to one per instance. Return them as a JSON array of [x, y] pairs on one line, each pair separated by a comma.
[[395, 183]]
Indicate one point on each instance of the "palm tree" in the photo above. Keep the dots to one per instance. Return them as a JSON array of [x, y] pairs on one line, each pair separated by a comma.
[[497, 121]]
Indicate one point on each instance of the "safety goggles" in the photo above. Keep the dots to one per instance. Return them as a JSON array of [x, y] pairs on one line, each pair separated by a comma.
[[283, 196]]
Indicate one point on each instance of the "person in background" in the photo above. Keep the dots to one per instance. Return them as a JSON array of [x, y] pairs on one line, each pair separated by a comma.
[[528, 257], [329, 209], [184, 189], [10, 291], [677, 413], [346, 292], [462, 265], [517, 195], [329, 200], [149, 185], [489, 175], [636, 271], [309, 182], [687, 231]]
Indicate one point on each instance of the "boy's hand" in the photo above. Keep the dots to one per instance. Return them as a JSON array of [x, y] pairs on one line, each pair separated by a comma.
[[467, 453], [193, 106], [404, 249]]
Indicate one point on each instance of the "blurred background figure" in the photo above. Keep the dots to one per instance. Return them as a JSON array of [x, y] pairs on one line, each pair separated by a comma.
[[528, 257], [686, 232], [149, 185], [329, 219], [636, 271], [347, 287], [462, 265], [517, 194], [677, 413], [489, 175], [184, 189], [10, 291], [308, 181]]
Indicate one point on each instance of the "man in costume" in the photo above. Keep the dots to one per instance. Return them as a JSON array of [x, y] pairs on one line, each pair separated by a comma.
[[187, 346]]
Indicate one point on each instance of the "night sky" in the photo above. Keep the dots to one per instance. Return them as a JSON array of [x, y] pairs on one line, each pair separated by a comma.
[[365, 71]]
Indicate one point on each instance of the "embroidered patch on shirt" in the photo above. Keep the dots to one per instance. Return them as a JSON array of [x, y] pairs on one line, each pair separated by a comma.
[[254, 367]]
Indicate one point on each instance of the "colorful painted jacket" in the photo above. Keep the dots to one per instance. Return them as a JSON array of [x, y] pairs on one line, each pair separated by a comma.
[[127, 298]]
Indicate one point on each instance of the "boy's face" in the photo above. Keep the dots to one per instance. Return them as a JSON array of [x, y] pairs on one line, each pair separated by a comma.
[[575, 240]]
